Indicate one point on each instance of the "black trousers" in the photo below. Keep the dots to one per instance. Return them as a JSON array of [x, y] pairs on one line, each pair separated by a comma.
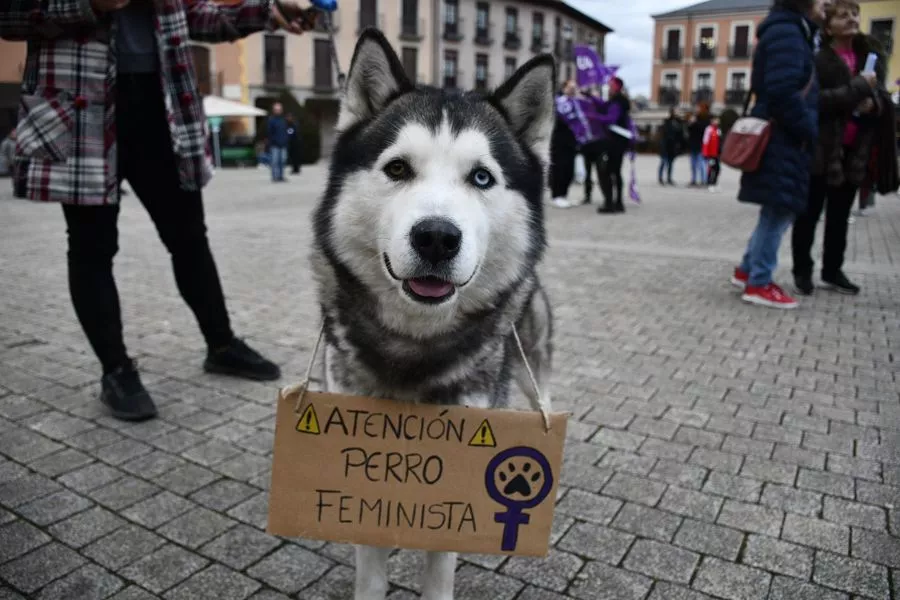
[[837, 202], [147, 161], [612, 175], [713, 169], [594, 154]]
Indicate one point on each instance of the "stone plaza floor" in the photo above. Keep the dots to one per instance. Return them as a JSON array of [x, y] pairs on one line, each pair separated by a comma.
[[716, 450]]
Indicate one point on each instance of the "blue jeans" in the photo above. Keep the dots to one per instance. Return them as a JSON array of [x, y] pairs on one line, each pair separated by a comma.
[[761, 257], [698, 168], [665, 167], [279, 157]]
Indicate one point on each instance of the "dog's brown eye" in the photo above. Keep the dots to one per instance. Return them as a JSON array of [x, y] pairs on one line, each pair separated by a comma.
[[398, 170]]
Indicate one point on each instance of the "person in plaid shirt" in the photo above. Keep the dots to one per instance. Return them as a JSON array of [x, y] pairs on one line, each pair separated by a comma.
[[109, 92]]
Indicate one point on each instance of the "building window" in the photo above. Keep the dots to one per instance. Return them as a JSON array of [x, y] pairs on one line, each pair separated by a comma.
[[410, 59], [740, 47], [200, 55], [368, 14], [537, 32], [482, 12], [512, 21], [672, 49], [706, 46], [481, 72], [322, 76], [451, 13], [409, 21], [509, 66], [738, 81], [883, 31], [273, 60], [450, 69], [670, 80]]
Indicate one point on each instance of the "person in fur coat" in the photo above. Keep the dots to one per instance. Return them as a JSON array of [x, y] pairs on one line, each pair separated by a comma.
[[849, 107]]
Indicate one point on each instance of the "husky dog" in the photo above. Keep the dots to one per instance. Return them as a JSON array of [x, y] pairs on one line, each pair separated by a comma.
[[426, 244]]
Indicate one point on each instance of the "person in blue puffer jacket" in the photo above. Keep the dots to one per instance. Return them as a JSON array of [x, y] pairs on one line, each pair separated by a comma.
[[786, 90]]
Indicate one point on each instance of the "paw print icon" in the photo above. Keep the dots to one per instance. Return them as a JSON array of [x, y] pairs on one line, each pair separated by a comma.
[[520, 479]]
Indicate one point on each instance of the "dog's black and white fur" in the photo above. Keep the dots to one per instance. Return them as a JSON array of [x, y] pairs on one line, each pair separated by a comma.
[[426, 245]]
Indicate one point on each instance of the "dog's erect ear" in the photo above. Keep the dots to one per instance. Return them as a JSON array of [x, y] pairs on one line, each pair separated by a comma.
[[376, 76], [527, 99]]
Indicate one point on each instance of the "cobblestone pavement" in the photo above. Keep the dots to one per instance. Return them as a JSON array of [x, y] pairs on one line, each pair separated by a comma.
[[716, 450]]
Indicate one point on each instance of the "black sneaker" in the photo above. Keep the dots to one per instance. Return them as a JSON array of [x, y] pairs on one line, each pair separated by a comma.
[[240, 360], [839, 283], [803, 284], [124, 395]]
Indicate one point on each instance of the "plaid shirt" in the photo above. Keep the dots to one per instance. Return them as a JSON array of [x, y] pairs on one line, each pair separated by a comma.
[[66, 149]]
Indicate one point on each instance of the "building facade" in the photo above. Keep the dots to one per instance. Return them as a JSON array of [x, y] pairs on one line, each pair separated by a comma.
[[703, 52], [11, 68], [465, 44], [881, 19]]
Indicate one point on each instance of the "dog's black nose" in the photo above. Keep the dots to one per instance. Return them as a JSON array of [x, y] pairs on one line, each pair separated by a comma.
[[436, 240]]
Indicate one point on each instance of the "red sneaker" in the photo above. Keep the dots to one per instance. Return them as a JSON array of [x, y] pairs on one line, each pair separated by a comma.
[[740, 278], [768, 295]]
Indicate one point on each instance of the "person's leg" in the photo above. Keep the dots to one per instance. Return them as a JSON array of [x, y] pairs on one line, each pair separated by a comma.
[[669, 166], [837, 211], [804, 233], [179, 219], [773, 223], [702, 175], [587, 154], [663, 159], [615, 156], [93, 242]]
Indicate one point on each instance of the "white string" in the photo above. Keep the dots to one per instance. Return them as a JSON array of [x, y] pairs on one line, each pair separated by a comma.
[[299, 389], [537, 388]]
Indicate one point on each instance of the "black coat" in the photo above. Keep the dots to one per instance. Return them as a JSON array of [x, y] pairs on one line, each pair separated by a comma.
[[783, 67]]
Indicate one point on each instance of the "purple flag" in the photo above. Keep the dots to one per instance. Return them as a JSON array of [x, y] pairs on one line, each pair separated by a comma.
[[587, 67], [632, 187]]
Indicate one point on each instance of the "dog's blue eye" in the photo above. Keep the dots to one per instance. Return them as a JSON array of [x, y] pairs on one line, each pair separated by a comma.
[[398, 170], [481, 178]]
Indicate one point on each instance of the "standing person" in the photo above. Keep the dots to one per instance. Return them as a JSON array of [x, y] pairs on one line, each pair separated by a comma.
[[696, 129], [295, 147], [277, 133], [110, 93], [617, 120], [847, 132], [784, 83], [564, 146], [670, 144], [712, 149]]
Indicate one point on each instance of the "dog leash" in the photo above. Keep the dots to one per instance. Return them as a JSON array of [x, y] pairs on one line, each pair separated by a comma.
[[299, 390]]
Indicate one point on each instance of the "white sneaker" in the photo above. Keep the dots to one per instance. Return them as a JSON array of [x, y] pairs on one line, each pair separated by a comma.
[[561, 203], [713, 189]]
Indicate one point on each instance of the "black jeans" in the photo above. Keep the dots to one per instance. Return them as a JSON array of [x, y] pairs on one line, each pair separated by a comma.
[[611, 180], [712, 170], [593, 153], [837, 202], [147, 161]]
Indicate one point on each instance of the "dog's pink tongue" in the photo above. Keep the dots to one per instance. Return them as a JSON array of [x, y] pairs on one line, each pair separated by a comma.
[[430, 288]]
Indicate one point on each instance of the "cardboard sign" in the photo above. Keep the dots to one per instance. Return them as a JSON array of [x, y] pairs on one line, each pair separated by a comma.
[[383, 473]]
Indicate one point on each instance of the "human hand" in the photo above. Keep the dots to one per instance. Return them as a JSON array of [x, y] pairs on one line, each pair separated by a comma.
[[870, 78], [102, 6], [866, 106], [289, 15]]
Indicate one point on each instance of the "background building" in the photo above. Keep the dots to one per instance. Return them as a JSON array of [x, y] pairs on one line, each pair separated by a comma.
[[11, 68], [880, 19]]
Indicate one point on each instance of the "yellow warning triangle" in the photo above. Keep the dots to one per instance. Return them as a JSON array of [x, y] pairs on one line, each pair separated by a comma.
[[309, 422], [484, 436]]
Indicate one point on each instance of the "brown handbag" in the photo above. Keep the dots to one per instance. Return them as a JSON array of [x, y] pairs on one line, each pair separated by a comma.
[[745, 145]]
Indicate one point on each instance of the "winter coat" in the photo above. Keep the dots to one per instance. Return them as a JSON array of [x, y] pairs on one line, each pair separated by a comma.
[[887, 173], [783, 69], [672, 137], [696, 129], [712, 141], [277, 131], [66, 150], [840, 93]]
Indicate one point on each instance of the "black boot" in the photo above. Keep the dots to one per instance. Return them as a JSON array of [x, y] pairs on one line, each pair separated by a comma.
[[240, 360], [839, 283], [124, 395]]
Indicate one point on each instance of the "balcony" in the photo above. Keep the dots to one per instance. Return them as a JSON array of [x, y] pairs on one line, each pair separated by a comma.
[[482, 85], [704, 94], [277, 75], [538, 44], [325, 18], [453, 30], [451, 82], [483, 36], [512, 40], [669, 96], [412, 30], [735, 97], [704, 53], [740, 52], [671, 54]]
